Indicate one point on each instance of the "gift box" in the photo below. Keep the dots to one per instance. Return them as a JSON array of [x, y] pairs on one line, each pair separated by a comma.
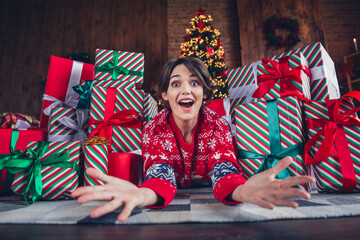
[[282, 77], [269, 131], [96, 156], [13, 144], [150, 107], [49, 172], [222, 107], [63, 74], [115, 67], [116, 113], [126, 166], [323, 81], [68, 124], [333, 148], [242, 84]]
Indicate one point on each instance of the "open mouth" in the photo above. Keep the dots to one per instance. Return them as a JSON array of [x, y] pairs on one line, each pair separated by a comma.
[[186, 103]]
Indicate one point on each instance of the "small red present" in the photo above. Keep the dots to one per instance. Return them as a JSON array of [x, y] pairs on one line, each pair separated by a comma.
[[126, 166], [222, 107], [219, 107]]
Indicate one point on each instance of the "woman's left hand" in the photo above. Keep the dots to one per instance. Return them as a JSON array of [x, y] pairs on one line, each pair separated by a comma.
[[264, 190]]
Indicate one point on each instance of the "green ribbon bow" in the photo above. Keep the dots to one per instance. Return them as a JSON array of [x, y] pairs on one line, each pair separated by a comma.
[[84, 92], [276, 153], [6, 158], [14, 154], [32, 165], [111, 67]]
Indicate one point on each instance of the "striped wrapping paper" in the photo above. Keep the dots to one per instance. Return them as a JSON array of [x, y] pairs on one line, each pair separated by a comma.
[[293, 60], [129, 61], [57, 183], [242, 84], [123, 139], [253, 133], [329, 173], [323, 82], [55, 127], [150, 107], [60, 132], [96, 156], [130, 91]]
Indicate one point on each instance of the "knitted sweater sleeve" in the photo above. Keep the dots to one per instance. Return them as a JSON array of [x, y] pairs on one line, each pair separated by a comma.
[[159, 174], [225, 170]]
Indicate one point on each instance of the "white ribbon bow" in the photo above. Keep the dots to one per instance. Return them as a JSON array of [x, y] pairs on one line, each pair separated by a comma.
[[71, 98], [78, 126], [22, 125], [70, 102]]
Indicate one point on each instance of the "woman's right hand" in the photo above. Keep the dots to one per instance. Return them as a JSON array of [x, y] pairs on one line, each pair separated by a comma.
[[266, 191], [117, 192]]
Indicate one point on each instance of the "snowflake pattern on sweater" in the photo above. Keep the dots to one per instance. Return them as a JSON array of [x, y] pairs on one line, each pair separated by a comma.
[[212, 157]]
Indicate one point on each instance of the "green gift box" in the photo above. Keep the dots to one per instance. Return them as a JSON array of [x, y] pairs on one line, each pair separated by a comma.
[[268, 131], [118, 66], [48, 171]]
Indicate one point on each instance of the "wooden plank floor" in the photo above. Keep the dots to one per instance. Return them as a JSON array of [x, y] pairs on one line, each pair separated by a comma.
[[335, 228]]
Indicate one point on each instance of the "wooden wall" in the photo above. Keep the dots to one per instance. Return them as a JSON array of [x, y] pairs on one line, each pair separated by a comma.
[[341, 20], [253, 14], [32, 30]]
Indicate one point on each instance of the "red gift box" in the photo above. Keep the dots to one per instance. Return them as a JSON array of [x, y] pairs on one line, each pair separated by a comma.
[[126, 166], [222, 107], [63, 74], [333, 148], [23, 138], [218, 106]]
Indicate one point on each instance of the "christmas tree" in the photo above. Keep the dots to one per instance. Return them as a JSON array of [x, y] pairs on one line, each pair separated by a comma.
[[202, 40]]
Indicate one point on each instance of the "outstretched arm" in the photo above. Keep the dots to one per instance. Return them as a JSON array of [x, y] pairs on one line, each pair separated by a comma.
[[266, 191], [117, 192]]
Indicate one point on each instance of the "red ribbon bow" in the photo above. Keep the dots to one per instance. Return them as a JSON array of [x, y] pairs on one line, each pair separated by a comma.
[[280, 70], [334, 138], [124, 118]]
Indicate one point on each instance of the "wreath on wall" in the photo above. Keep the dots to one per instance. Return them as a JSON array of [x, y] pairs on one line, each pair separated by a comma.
[[285, 23]]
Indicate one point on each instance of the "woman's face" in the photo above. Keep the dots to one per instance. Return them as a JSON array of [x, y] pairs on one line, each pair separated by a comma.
[[185, 94]]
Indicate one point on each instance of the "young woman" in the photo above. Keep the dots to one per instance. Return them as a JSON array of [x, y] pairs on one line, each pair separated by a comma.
[[186, 145]]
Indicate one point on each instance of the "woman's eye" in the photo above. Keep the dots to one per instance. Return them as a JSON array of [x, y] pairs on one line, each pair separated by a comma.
[[195, 83], [175, 84]]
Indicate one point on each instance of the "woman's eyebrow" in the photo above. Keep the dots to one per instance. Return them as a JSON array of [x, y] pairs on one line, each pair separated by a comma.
[[176, 75]]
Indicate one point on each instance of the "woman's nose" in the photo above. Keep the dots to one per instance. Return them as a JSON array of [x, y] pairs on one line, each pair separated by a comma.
[[186, 89]]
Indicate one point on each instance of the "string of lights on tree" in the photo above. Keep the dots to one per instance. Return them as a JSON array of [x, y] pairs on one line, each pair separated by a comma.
[[202, 40]]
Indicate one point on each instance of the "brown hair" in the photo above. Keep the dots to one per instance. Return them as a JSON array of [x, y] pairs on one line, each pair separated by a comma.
[[195, 66]]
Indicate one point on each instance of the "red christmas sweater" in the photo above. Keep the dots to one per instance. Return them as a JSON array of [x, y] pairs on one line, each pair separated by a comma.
[[210, 158]]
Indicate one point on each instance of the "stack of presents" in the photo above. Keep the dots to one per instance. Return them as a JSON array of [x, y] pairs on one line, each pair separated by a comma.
[[290, 105], [92, 116]]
